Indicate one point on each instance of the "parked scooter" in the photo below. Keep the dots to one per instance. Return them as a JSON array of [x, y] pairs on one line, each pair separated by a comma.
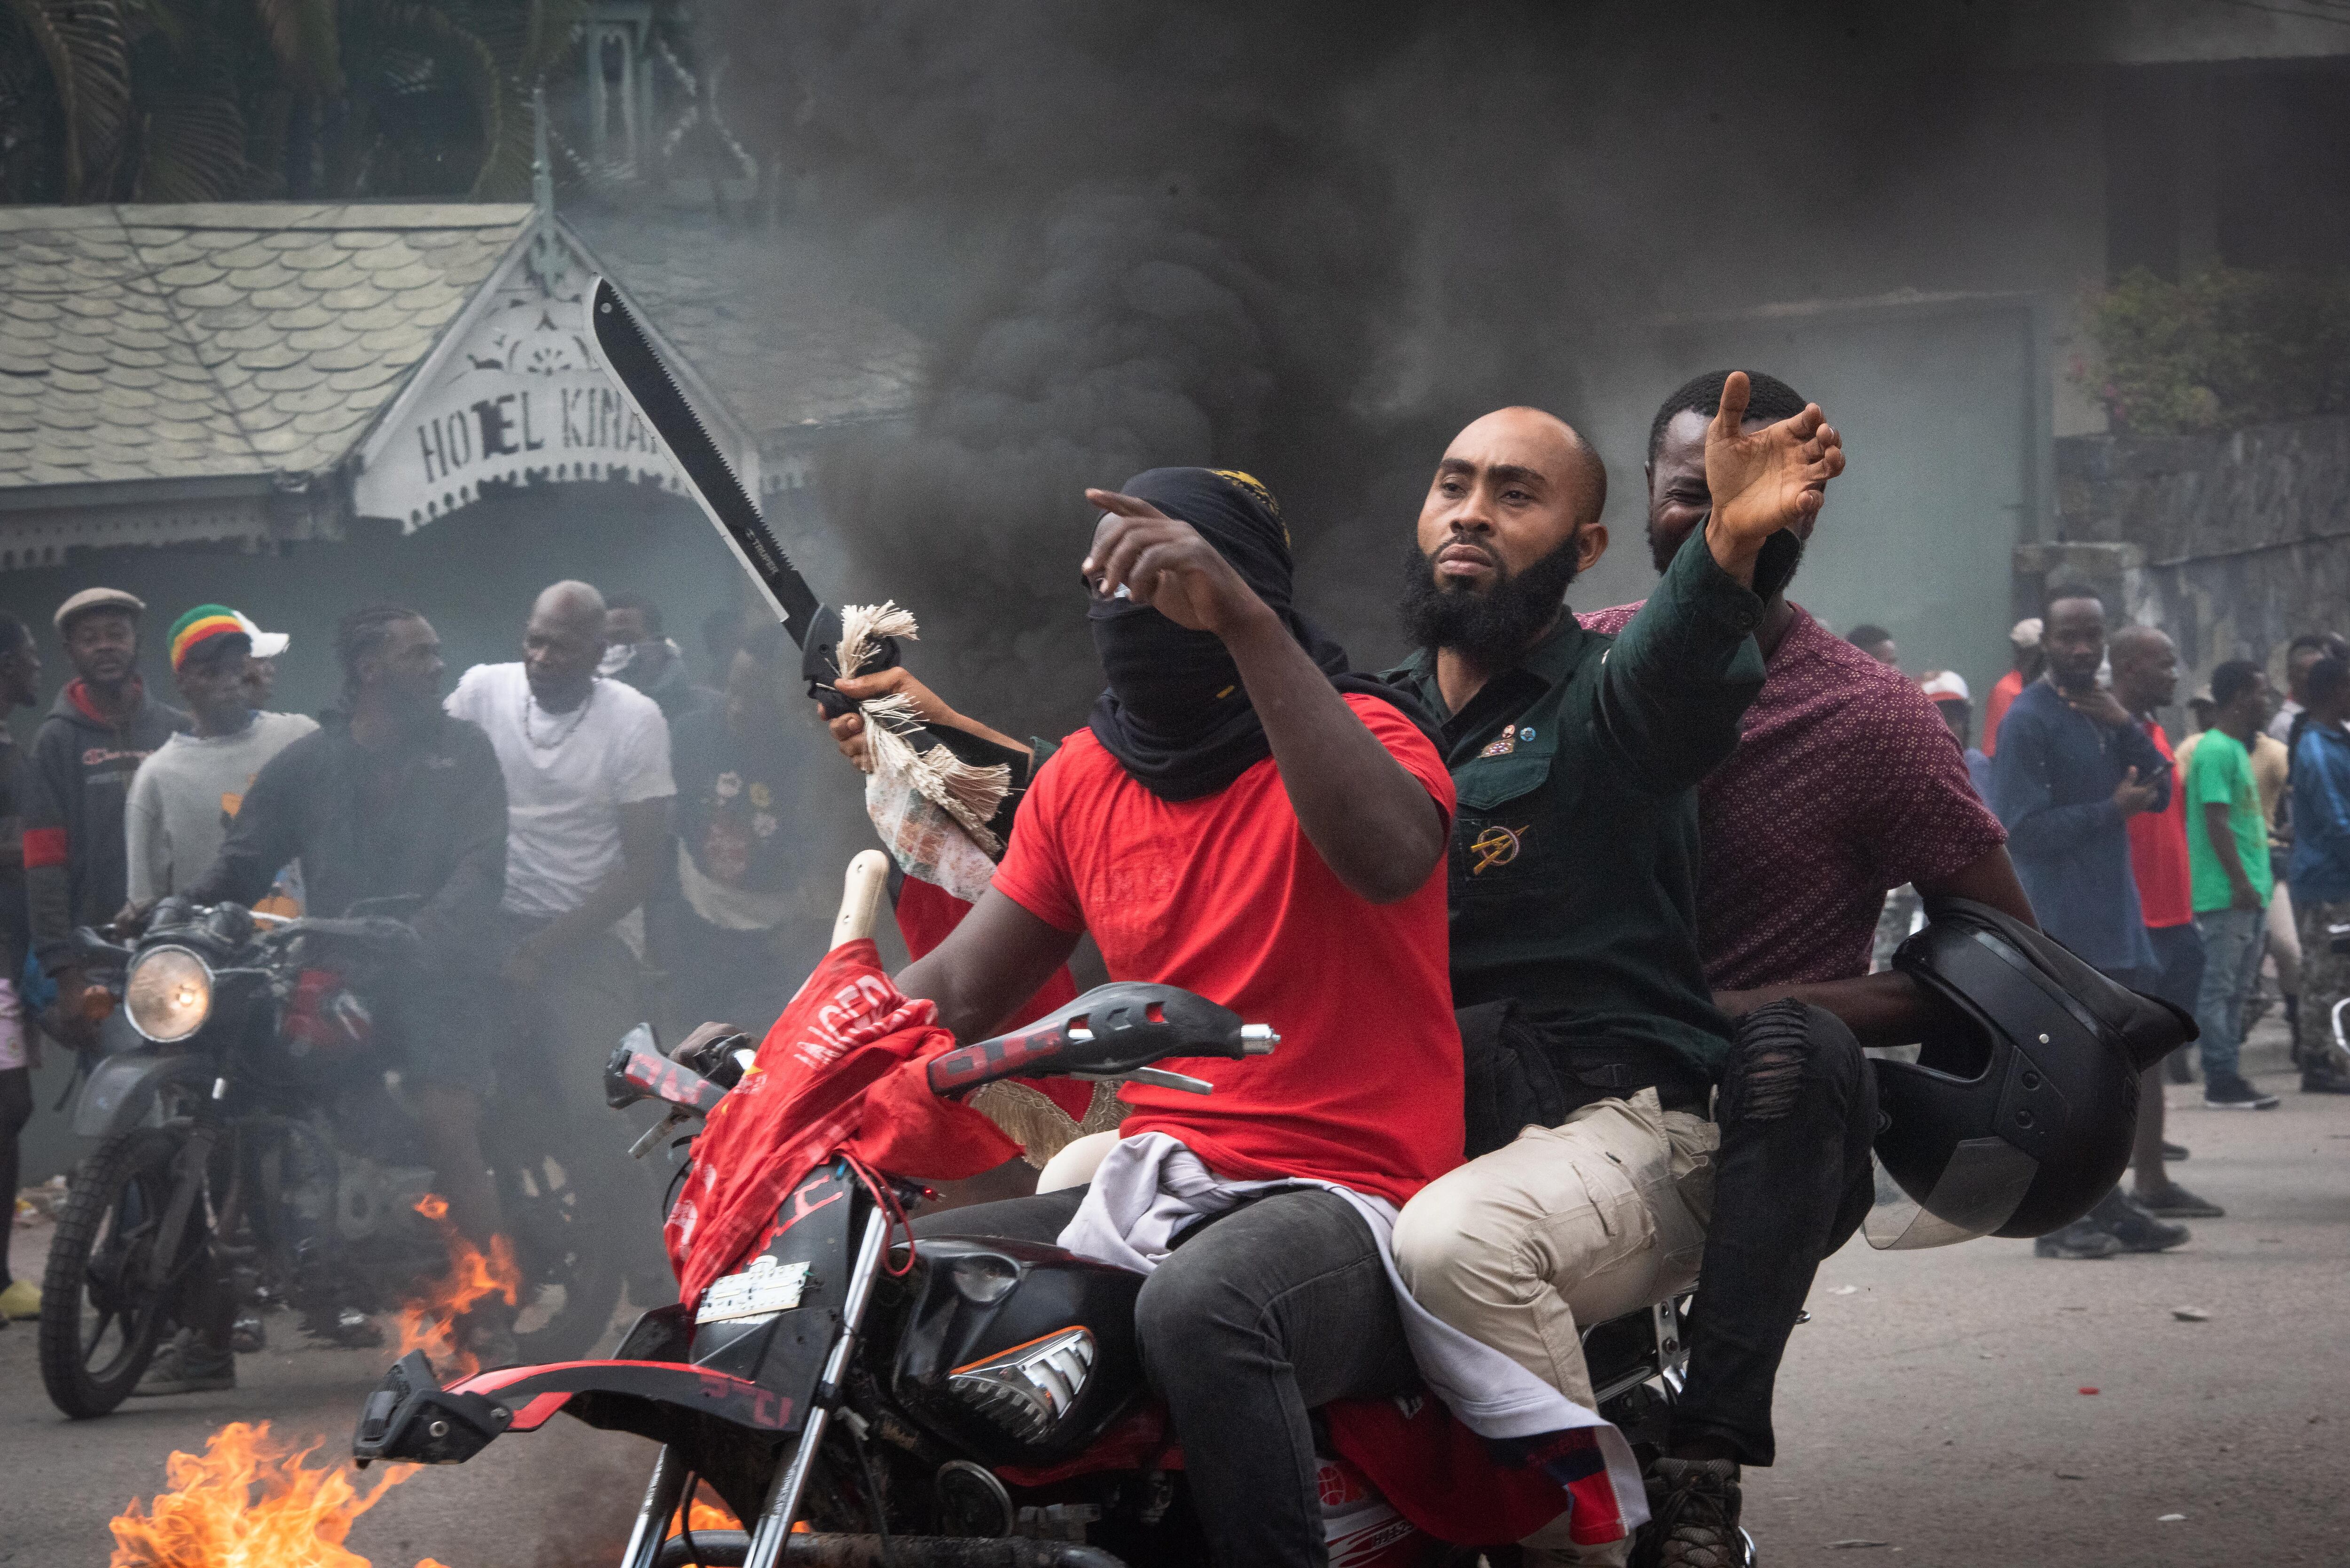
[[985, 1407], [249, 1151]]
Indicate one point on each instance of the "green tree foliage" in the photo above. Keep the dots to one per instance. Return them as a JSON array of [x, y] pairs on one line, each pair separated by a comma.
[[192, 100], [2228, 347]]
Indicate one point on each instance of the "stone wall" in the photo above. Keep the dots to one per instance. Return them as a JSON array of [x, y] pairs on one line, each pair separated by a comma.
[[2233, 543]]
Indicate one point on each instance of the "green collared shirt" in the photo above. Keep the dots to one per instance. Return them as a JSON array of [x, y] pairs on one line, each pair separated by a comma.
[[1574, 845]]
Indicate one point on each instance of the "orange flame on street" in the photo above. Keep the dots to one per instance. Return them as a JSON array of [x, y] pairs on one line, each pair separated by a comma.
[[250, 1500], [427, 1322]]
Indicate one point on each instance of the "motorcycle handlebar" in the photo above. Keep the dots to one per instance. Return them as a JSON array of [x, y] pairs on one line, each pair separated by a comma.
[[379, 928], [88, 946], [1114, 1031]]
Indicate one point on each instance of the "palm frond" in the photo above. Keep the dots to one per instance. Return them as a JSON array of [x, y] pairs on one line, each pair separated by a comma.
[[305, 38], [192, 136], [89, 69], [474, 64]]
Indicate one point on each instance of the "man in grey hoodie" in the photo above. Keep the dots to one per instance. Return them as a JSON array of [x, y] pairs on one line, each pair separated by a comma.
[[75, 783]]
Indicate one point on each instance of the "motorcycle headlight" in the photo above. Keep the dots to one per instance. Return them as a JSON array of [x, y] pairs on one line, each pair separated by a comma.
[[168, 993]]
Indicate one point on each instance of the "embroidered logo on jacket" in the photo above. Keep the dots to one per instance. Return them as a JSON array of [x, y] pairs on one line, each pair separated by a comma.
[[1496, 845]]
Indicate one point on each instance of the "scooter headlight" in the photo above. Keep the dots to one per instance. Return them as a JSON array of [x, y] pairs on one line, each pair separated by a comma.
[[168, 993]]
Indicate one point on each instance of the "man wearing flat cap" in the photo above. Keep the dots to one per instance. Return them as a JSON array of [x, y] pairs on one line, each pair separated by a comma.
[[104, 725]]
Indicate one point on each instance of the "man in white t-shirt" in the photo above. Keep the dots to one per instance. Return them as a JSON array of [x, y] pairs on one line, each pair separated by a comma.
[[588, 793], [186, 793]]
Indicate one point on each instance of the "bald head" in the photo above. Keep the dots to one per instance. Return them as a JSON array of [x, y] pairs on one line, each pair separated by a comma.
[[570, 602], [1570, 464], [2145, 668], [562, 643], [1511, 517]]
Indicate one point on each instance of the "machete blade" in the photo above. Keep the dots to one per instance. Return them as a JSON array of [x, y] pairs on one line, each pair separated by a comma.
[[628, 358]]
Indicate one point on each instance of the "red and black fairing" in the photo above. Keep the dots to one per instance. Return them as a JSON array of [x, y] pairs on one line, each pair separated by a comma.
[[728, 1393], [971, 1305]]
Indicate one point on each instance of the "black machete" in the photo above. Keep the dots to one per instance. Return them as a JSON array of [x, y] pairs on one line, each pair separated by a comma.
[[633, 365]]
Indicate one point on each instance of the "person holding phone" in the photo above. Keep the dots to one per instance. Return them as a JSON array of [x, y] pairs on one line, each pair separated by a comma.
[[2073, 770]]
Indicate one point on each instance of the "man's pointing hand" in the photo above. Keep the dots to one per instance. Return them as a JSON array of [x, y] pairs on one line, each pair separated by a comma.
[[1162, 562]]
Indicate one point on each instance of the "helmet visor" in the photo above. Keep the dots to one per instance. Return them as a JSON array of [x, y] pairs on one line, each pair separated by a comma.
[[1977, 1191]]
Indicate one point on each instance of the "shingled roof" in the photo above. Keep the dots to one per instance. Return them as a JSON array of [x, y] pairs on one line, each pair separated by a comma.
[[227, 339]]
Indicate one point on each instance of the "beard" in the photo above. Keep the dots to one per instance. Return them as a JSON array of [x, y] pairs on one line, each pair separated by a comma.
[[1774, 568], [1492, 630]]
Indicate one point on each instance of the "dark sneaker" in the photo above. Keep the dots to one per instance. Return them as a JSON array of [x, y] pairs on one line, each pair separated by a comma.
[[250, 1336], [2236, 1095], [2175, 1202], [2133, 1227], [2324, 1080], [184, 1367], [1693, 1508], [2174, 1151], [2081, 1239]]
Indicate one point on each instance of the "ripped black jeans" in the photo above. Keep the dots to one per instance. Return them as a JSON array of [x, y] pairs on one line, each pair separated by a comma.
[[1793, 1181]]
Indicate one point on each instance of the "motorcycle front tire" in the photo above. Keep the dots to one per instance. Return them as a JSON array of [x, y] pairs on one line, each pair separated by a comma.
[[118, 1195], [562, 1243]]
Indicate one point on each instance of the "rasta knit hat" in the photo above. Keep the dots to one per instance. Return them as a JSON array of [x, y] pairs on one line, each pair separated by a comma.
[[201, 625]]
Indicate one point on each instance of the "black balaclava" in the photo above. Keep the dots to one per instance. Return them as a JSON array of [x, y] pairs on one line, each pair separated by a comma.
[[1176, 715]]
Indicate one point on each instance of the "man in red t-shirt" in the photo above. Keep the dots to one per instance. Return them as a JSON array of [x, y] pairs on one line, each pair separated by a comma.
[[2146, 677], [1242, 819]]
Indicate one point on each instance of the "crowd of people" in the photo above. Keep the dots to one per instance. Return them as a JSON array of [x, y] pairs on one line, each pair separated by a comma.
[[1573, 925], [529, 825], [2168, 866]]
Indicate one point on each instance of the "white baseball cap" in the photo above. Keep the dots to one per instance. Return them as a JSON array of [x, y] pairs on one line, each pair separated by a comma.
[[265, 644], [1945, 683]]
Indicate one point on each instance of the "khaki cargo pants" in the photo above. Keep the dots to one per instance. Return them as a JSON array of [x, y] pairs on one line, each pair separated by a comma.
[[1563, 1227]]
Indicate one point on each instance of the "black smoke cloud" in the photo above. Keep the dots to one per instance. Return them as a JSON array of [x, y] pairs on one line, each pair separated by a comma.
[[1310, 241], [1132, 242]]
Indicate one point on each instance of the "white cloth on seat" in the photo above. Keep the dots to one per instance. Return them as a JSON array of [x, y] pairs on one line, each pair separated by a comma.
[[1150, 1187]]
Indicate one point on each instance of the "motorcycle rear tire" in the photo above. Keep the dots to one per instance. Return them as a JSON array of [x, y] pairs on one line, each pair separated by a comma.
[[138, 1162]]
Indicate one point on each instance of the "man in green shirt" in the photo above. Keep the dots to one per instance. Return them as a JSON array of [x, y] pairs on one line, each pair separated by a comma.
[[1593, 1043], [2228, 854]]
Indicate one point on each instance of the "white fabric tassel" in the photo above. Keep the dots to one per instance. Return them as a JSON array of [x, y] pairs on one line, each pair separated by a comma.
[[969, 794]]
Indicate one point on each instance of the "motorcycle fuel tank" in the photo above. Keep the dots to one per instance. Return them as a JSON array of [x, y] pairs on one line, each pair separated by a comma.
[[1021, 1353]]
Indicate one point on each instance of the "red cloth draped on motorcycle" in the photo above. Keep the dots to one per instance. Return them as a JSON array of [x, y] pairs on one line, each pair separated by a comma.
[[844, 1069], [925, 913]]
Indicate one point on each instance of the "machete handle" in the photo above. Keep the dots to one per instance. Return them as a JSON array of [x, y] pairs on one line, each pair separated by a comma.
[[820, 661]]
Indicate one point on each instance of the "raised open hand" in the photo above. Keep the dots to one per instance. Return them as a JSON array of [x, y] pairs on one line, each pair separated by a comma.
[[1764, 481], [1162, 562]]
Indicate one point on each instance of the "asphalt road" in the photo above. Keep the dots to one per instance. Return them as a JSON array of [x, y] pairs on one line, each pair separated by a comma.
[[1933, 1412]]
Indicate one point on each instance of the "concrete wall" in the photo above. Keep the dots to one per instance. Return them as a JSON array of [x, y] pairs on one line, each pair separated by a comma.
[[2234, 543]]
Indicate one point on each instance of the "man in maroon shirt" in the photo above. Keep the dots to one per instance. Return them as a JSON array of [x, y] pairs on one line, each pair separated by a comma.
[[1846, 783]]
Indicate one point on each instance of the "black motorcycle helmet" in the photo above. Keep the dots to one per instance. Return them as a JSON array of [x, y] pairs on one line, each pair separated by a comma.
[[2018, 1115]]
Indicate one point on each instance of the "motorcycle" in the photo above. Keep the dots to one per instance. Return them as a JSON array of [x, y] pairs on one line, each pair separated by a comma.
[[978, 1402], [249, 1145]]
